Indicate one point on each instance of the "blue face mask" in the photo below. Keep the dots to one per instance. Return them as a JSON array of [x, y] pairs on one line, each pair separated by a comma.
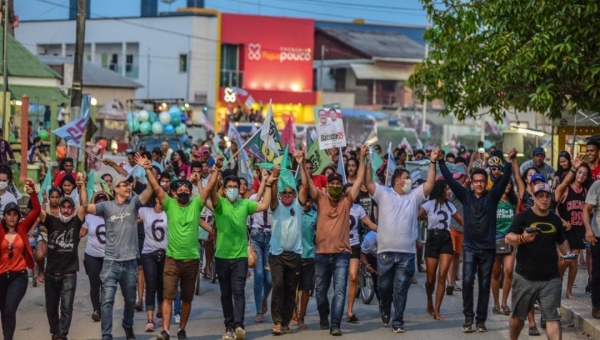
[[232, 193]]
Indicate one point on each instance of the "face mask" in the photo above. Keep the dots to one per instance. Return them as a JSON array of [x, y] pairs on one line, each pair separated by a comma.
[[63, 218], [287, 201], [334, 192], [183, 198], [3, 185], [232, 194], [407, 185]]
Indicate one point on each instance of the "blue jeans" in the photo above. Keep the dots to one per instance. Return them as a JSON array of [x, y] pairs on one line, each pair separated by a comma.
[[482, 263], [395, 272], [326, 267], [262, 277], [123, 273], [12, 289], [60, 293]]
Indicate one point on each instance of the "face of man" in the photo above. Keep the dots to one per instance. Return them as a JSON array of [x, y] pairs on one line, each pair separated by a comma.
[[131, 160], [538, 159], [123, 189], [450, 160], [196, 171], [335, 184], [69, 167], [400, 181], [204, 171], [66, 209], [495, 171], [479, 183], [323, 116], [156, 157], [108, 179], [333, 115], [542, 201], [335, 156], [309, 168], [164, 184], [592, 153], [165, 146]]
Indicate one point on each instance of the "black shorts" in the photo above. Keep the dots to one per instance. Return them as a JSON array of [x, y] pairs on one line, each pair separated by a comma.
[[307, 275], [438, 242], [355, 252], [575, 237]]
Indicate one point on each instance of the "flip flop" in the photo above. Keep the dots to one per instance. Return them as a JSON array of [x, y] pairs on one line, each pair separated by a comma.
[[533, 331], [496, 310], [353, 319], [286, 330], [506, 310], [277, 330]]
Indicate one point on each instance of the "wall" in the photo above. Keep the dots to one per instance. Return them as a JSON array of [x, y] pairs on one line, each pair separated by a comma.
[[344, 99], [105, 94]]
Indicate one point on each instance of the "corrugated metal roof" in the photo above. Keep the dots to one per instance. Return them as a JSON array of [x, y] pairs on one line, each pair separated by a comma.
[[94, 75], [412, 32], [38, 94], [22, 63], [378, 44]]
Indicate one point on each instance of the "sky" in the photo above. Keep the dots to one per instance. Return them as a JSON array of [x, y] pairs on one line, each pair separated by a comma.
[[390, 12]]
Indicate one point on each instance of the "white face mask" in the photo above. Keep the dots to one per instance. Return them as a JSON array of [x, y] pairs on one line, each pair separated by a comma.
[[407, 185], [3, 185]]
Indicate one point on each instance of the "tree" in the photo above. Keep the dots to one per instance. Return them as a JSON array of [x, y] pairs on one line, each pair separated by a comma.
[[500, 55]]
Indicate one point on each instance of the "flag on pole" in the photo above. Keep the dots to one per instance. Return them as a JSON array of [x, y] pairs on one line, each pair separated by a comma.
[[206, 122], [406, 145], [340, 166], [269, 133], [318, 157], [287, 137], [73, 132], [105, 187], [373, 137], [250, 101], [391, 166], [90, 186], [286, 177]]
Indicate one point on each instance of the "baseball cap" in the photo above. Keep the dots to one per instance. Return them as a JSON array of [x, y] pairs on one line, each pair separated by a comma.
[[100, 196], [12, 206], [66, 199], [542, 187], [539, 150], [198, 153], [204, 149], [334, 176], [460, 170], [120, 179], [538, 177]]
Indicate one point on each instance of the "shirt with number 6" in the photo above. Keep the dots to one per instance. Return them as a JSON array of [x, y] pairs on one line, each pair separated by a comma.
[[96, 235], [155, 230]]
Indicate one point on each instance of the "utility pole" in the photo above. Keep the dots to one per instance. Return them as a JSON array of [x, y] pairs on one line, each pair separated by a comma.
[[78, 62], [424, 125], [6, 116], [322, 67]]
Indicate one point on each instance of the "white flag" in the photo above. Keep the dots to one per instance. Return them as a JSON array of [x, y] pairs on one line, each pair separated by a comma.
[[250, 101], [268, 131], [391, 166], [372, 138]]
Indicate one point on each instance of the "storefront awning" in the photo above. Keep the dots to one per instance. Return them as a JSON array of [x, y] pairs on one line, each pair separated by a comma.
[[38, 94], [369, 71]]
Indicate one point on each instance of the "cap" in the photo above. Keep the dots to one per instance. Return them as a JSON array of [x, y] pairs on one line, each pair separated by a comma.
[[12, 206], [538, 177], [539, 150], [120, 179], [66, 199], [542, 187], [460, 169], [100, 196], [462, 149], [334, 176], [198, 153]]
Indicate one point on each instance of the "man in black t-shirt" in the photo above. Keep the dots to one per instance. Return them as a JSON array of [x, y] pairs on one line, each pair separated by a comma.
[[536, 274], [63, 261]]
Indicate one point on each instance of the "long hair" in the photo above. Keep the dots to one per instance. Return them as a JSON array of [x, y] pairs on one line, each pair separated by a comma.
[[355, 162], [183, 161], [438, 193], [524, 177], [512, 196], [589, 179]]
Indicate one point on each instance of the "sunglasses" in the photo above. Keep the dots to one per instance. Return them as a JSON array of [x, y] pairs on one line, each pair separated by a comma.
[[10, 248], [124, 184], [495, 169], [184, 183]]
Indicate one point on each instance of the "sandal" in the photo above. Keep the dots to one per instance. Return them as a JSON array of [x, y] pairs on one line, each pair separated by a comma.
[[414, 281], [506, 310], [277, 330], [40, 280], [457, 288], [286, 330], [352, 319], [258, 318], [496, 310], [533, 331], [302, 326]]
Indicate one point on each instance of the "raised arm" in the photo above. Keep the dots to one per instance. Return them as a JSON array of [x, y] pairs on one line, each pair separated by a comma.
[[146, 164], [274, 201], [261, 188], [157, 189], [518, 178], [459, 191], [264, 204], [303, 193], [562, 188], [35, 206], [428, 185], [312, 189], [115, 166], [499, 188], [211, 188], [371, 186], [360, 176], [83, 199]]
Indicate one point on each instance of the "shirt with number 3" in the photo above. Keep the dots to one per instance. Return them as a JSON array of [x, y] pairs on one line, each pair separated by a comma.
[[357, 212], [439, 215], [155, 229]]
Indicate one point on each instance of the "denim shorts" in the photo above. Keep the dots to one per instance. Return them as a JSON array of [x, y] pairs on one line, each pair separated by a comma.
[[438, 242], [526, 292]]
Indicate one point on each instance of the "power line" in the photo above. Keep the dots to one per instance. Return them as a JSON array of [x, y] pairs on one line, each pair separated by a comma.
[[361, 6]]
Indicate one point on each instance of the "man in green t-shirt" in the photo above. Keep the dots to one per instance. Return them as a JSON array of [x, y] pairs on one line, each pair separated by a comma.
[[182, 256], [231, 215]]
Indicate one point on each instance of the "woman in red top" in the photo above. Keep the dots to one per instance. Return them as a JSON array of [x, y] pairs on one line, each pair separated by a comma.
[[15, 257]]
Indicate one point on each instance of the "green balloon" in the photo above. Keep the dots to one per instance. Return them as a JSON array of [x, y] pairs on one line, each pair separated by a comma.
[[153, 117], [180, 129], [135, 125], [43, 134], [145, 128]]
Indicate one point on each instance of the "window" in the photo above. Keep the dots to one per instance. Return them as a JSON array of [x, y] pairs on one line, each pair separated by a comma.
[[230, 73], [114, 63], [183, 63], [128, 63]]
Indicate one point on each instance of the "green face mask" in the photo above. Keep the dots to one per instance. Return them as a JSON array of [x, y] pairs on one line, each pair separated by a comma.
[[335, 192]]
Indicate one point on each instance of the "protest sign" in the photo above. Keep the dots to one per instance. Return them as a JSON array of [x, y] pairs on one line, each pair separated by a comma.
[[330, 127]]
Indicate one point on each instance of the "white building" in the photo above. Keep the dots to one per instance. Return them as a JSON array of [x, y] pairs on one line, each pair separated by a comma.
[[171, 56]]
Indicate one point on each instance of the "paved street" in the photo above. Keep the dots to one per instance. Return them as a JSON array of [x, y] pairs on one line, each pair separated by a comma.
[[207, 322]]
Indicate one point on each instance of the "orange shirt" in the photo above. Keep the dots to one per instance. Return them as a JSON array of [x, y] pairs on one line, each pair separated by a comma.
[[17, 262], [333, 224]]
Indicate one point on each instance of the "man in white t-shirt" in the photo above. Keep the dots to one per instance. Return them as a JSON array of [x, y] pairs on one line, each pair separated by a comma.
[[396, 236], [62, 113]]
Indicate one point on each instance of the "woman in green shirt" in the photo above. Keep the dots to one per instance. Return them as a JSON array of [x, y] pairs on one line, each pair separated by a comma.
[[505, 215]]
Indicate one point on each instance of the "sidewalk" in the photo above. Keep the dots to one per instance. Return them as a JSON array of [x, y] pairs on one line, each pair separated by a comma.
[[578, 312]]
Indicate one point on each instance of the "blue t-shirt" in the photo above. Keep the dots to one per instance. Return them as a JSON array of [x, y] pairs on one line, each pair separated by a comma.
[[286, 232], [309, 223]]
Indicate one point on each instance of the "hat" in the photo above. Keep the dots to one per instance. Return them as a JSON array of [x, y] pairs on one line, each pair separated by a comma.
[[334, 176], [198, 154], [542, 187], [12, 206], [539, 150], [538, 177], [120, 179], [462, 149], [460, 169], [66, 199], [204, 149], [100, 196]]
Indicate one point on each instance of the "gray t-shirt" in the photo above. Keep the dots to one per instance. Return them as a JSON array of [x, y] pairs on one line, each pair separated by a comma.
[[459, 209], [546, 169], [121, 228], [593, 198]]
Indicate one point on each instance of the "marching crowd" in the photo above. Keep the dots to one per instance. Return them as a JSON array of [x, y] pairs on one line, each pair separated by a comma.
[[519, 227]]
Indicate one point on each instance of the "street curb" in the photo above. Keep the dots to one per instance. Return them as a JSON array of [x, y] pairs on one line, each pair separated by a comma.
[[581, 318]]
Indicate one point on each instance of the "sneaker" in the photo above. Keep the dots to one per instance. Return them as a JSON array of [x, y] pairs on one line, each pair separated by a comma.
[[467, 326], [385, 319], [449, 290], [240, 334], [96, 316], [164, 335], [324, 322], [181, 335], [228, 335], [398, 329], [177, 319], [150, 326], [335, 331], [480, 327], [129, 335]]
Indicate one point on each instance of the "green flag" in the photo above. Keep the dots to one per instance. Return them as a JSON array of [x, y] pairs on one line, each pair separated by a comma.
[[105, 187], [318, 157], [90, 186], [286, 177], [375, 165]]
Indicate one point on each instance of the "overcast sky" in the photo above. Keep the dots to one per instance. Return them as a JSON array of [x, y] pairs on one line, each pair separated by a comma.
[[391, 12]]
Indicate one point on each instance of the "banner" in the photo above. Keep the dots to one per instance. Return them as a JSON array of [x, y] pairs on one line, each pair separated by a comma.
[[330, 127], [287, 137], [269, 133], [318, 157], [391, 166], [373, 137]]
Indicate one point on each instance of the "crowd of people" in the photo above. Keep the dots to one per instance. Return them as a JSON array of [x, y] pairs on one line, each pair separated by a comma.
[[519, 228]]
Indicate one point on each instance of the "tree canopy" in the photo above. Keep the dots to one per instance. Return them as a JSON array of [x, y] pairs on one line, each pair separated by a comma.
[[505, 55]]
